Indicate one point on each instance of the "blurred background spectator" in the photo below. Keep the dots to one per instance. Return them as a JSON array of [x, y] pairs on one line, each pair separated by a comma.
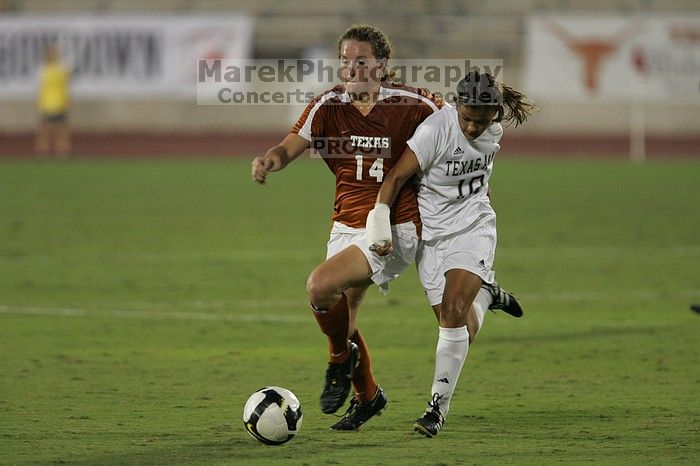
[[52, 103]]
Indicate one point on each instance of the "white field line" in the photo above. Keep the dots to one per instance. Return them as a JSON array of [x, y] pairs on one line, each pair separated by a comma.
[[171, 256], [602, 252], [152, 315], [238, 255], [301, 303], [156, 311]]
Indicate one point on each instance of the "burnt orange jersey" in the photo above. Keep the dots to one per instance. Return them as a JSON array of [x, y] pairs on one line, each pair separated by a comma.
[[360, 150]]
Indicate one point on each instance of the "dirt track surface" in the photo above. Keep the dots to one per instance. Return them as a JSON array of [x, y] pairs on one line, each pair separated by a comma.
[[187, 145]]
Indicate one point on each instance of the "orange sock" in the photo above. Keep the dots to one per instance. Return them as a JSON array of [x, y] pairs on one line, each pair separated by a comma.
[[362, 378], [335, 325]]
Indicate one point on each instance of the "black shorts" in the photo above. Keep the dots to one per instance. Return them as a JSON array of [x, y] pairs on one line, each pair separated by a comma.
[[54, 117]]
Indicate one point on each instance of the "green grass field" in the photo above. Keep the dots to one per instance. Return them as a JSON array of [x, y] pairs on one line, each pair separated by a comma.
[[142, 302]]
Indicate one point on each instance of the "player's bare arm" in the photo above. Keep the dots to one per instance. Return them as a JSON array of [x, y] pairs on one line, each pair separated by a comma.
[[275, 159], [378, 223], [406, 167]]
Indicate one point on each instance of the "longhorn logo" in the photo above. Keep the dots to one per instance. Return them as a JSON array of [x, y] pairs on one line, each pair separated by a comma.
[[593, 51]]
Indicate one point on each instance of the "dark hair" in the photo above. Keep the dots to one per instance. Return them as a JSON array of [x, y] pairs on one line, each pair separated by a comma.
[[381, 47], [482, 90]]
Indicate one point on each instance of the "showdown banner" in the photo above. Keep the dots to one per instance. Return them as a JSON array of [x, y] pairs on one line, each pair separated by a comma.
[[115, 56], [649, 57]]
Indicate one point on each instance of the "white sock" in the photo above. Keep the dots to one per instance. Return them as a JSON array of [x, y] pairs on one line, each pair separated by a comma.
[[452, 348], [481, 306]]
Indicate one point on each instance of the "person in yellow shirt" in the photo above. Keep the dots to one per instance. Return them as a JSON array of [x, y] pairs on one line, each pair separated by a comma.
[[53, 102]]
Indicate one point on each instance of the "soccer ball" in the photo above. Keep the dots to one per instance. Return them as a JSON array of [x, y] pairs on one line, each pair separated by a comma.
[[272, 415]]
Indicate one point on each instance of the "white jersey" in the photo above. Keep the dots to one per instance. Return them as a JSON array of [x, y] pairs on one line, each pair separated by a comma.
[[455, 172]]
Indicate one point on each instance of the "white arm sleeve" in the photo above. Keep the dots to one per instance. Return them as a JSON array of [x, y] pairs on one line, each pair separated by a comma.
[[378, 225]]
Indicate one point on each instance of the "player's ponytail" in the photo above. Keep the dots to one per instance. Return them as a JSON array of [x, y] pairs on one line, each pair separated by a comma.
[[516, 107]]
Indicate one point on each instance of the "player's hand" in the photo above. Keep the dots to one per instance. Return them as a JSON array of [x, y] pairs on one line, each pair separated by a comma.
[[437, 100], [382, 249], [260, 167], [379, 230]]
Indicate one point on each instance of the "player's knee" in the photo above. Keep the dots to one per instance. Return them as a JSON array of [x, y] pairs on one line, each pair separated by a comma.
[[454, 312], [317, 288]]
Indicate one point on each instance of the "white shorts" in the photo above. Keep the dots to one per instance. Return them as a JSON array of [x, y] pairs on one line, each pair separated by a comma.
[[472, 249], [386, 268]]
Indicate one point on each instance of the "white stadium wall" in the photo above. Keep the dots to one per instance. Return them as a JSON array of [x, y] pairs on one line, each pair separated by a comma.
[[143, 75]]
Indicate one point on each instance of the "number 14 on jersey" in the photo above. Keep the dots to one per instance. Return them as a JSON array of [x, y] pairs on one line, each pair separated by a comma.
[[375, 171]]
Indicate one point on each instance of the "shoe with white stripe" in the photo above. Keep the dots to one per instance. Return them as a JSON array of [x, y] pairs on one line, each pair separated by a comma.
[[359, 413], [503, 300], [432, 421]]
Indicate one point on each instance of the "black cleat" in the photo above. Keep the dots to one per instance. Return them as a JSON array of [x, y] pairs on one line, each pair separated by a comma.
[[503, 300], [359, 413], [339, 381], [430, 424]]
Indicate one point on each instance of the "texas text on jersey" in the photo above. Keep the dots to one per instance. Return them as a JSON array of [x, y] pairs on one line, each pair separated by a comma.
[[361, 149], [455, 171]]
